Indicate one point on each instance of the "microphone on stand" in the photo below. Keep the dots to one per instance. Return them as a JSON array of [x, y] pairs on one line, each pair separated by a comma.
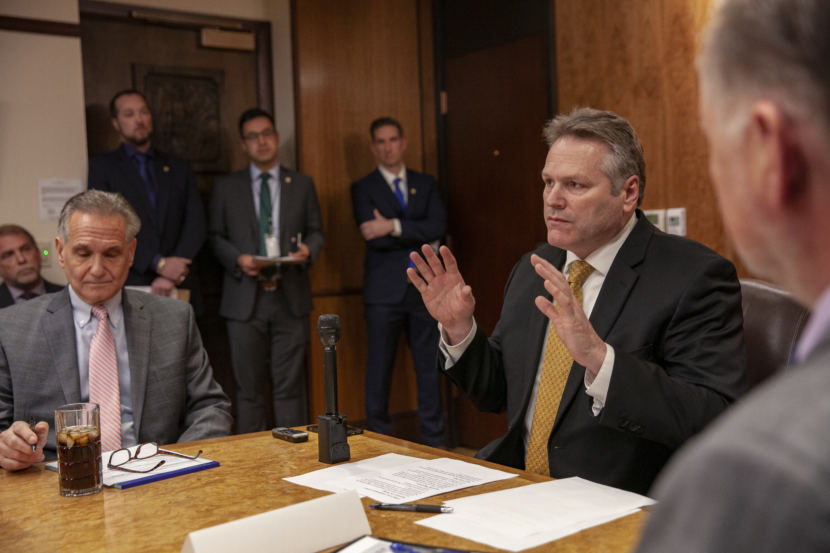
[[332, 444]]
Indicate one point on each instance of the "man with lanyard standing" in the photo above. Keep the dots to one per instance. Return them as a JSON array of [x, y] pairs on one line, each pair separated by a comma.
[[266, 211]]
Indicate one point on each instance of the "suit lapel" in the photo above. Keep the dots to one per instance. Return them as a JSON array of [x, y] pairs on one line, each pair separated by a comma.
[[6, 295], [620, 279], [244, 209], [161, 172], [58, 329], [137, 325], [287, 201], [135, 190], [612, 297]]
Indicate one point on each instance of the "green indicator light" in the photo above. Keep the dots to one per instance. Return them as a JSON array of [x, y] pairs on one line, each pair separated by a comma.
[[45, 252]]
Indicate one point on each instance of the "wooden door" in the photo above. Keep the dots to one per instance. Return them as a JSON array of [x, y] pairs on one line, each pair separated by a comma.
[[496, 74], [196, 93]]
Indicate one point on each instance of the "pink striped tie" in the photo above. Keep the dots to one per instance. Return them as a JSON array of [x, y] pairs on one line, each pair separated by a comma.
[[103, 381]]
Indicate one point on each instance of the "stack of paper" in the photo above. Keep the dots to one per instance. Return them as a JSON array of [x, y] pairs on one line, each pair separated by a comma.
[[528, 516], [394, 478]]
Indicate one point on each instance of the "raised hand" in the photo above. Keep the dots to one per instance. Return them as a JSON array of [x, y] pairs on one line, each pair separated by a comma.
[[567, 315], [446, 296]]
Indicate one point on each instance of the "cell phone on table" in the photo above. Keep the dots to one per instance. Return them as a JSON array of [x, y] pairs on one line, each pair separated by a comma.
[[289, 434]]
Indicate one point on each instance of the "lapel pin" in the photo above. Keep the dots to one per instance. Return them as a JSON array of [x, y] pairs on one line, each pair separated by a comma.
[[412, 191], [166, 169], [287, 180]]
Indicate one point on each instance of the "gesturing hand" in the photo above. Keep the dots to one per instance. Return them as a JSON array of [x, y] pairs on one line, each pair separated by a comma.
[[446, 296], [567, 315]]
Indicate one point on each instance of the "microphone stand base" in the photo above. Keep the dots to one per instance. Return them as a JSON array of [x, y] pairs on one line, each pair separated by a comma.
[[333, 446]]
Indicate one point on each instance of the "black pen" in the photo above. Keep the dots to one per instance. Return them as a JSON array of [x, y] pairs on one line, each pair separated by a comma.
[[32, 423], [412, 508]]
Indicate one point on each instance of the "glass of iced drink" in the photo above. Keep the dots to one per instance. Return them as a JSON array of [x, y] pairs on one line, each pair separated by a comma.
[[78, 433]]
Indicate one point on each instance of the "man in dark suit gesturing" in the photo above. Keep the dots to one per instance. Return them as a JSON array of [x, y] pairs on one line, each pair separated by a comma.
[[161, 189], [165, 389], [397, 210], [616, 342], [271, 211], [20, 267]]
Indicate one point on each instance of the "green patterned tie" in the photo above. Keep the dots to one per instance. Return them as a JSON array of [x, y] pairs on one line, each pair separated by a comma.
[[556, 367]]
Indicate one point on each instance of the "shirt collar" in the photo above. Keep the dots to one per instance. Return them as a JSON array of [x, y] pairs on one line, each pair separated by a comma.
[[817, 326], [602, 258], [131, 150], [390, 177], [16, 292], [82, 311], [273, 171]]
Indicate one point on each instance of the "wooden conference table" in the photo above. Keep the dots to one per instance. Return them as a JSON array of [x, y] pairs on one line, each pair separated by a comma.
[[158, 516]]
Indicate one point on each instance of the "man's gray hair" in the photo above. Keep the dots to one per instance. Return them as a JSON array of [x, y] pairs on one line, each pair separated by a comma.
[[99, 202], [773, 49], [626, 153]]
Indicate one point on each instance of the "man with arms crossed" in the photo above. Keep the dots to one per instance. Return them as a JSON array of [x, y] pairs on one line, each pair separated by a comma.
[[165, 388], [759, 479], [397, 209], [266, 308], [643, 347], [20, 267]]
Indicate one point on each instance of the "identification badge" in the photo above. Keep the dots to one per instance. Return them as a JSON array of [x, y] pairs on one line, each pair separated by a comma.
[[272, 246]]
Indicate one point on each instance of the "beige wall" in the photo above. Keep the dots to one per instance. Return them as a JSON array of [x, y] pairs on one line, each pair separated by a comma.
[[42, 129], [42, 119]]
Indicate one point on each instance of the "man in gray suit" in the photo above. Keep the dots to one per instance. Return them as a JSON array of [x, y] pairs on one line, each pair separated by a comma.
[[165, 382], [266, 306], [759, 479]]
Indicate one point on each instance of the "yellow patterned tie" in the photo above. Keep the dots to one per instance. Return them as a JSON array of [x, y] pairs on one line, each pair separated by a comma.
[[555, 369]]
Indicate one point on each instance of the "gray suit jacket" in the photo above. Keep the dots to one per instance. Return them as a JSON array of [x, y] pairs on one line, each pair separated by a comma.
[[234, 230], [174, 395], [759, 479]]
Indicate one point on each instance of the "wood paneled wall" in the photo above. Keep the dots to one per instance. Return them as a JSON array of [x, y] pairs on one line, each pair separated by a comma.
[[636, 58], [355, 61]]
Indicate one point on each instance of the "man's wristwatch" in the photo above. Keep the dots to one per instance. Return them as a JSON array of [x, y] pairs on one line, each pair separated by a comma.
[[160, 265]]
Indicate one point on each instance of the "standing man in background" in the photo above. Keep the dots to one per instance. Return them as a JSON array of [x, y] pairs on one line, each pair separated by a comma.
[[266, 210], [397, 210], [20, 267], [161, 189], [759, 479]]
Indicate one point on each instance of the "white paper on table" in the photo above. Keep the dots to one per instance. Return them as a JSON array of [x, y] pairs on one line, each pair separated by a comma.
[[393, 478], [293, 529], [528, 516]]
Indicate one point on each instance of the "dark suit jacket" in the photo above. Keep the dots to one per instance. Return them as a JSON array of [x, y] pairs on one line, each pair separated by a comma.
[[234, 230], [175, 228], [424, 220], [174, 395], [671, 308], [6, 298]]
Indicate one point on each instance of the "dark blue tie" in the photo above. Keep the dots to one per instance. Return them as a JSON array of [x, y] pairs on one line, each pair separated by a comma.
[[147, 176], [399, 193], [402, 200]]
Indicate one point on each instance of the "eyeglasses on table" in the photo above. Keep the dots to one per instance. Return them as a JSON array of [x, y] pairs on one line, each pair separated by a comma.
[[122, 456]]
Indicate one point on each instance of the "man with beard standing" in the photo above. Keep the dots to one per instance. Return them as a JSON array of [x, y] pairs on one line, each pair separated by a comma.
[[160, 188]]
